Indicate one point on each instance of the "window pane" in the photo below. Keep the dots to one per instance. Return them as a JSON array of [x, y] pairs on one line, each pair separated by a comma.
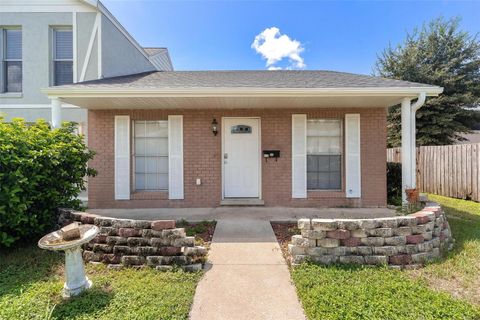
[[13, 78], [163, 165], [157, 129], [63, 72], [335, 181], [163, 181], [13, 41], [139, 181], [151, 164], [335, 163], [312, 180], [151, 182], [63, 45], [139, 164]]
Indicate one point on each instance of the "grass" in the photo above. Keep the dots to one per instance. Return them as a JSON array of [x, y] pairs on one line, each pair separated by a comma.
[[459, 272], [447, 289], [31, 281]]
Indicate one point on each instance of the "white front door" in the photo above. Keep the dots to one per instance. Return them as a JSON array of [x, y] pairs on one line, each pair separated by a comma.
[[241, 157]]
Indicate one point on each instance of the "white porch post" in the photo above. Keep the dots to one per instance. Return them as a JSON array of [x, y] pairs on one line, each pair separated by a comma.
[[56, 113], [407, 155]]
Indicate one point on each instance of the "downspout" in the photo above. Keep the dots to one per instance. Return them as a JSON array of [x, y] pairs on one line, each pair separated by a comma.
[[413, 109]]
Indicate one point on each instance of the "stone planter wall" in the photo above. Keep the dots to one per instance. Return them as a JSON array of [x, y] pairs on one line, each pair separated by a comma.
[[399, 241], [135, 243]]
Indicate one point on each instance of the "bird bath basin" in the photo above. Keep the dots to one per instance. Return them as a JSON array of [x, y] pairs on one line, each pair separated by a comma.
[[75, 279]]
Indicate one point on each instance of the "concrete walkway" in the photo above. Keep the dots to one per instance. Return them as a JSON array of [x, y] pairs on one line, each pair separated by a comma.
[[248, 277]]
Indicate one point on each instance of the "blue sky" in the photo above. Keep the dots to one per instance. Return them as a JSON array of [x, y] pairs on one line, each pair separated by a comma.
[[334, 35]]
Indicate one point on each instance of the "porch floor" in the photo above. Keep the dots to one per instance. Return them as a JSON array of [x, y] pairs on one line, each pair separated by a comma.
[[257, 213]]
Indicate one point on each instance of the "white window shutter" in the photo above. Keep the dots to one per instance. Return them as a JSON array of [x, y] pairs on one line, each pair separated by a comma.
[[175, 157], [122, 157], [352, 156], [299, 156]]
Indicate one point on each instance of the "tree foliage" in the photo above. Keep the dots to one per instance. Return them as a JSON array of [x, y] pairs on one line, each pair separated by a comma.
[[40, 170], [439, 54]]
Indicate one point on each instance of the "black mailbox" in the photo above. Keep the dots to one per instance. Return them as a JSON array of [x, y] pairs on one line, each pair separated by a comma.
[[271, 154]]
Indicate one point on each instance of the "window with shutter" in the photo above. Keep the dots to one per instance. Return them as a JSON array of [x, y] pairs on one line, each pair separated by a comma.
[[62, 57], [12, 60], [324, 154]]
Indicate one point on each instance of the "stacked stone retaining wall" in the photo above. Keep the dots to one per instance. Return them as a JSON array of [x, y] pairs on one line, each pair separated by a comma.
[[399, 241], [135, 243]]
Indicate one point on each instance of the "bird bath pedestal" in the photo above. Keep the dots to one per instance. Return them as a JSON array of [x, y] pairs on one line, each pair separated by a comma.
[[75, 279]]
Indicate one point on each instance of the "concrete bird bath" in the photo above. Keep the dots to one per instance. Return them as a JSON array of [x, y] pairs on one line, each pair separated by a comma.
[[75, 279]]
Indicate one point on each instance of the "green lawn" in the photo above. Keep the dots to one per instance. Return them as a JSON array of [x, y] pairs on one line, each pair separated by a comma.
[[31, 281], [448, 289]]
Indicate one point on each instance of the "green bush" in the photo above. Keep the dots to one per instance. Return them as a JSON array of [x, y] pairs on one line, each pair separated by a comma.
[[394, 183], [40, 170]]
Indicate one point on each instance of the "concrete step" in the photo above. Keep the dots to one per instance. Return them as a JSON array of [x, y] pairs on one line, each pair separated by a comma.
[[244, 202]]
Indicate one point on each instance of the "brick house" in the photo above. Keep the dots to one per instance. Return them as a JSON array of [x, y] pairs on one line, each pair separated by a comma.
[[273, 138]]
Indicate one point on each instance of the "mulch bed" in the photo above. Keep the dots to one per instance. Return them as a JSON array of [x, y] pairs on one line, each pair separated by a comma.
[[203, 231], [284, 233]]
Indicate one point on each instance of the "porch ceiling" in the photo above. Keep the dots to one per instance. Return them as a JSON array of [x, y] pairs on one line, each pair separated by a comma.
[[243, 102]]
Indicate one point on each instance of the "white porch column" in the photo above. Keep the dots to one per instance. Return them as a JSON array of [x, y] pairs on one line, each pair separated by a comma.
[[407, 178], [56, 113]]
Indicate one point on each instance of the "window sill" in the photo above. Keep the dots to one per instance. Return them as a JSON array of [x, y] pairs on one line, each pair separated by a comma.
[[11, 95]]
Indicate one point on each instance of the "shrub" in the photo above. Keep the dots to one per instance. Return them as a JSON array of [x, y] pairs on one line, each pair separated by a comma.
[[40, 170], [394, 183]]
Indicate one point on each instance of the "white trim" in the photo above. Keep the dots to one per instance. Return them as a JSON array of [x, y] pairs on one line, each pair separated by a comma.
[[99, 49], [239, 92], [35, 106], [260, 158], [74, 40], [90, 47]]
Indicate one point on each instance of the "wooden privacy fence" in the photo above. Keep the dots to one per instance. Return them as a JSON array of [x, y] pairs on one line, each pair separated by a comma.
[[451, 171]]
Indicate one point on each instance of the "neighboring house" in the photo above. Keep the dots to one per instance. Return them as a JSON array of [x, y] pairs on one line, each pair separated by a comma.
[[207, 138], [54, 42]]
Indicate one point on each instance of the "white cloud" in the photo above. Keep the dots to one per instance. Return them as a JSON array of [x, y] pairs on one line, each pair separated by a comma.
[[274, 47]]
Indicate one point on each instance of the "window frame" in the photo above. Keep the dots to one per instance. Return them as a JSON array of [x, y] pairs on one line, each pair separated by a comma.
[[342, 155], [134, 156], [54, 52], [5, 60]]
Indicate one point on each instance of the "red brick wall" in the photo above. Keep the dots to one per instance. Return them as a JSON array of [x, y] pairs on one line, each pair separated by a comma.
[[202, 158]]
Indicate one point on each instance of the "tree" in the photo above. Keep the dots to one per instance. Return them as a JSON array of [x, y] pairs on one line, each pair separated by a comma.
[[439, 54], [40, 170]]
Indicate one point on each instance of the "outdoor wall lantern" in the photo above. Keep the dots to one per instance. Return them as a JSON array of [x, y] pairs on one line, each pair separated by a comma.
[[214, 126]]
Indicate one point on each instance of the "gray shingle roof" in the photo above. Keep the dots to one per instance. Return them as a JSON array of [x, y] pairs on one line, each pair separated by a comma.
[[246, 79]]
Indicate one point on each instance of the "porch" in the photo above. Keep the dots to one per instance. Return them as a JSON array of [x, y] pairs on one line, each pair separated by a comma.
[[281, 214]]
